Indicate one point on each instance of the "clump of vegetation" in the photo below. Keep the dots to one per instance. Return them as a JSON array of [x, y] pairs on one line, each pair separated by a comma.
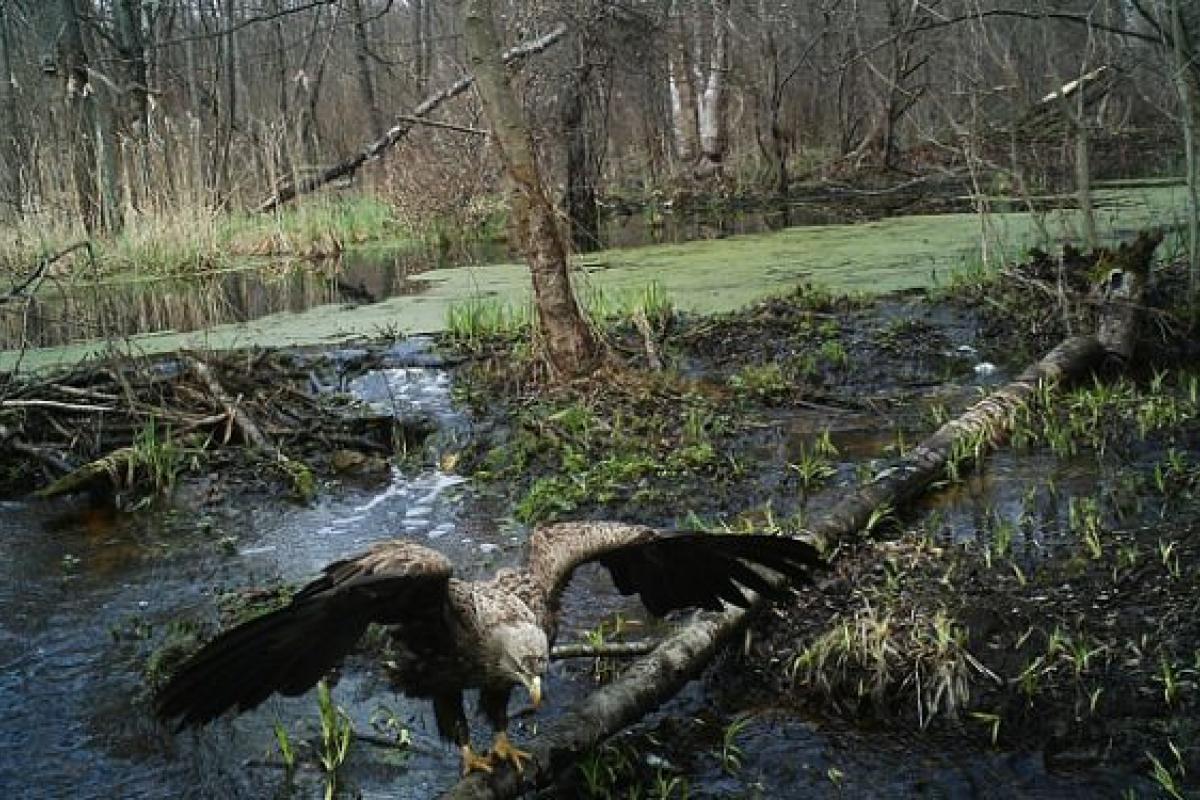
[[877, 656], [568, 451]]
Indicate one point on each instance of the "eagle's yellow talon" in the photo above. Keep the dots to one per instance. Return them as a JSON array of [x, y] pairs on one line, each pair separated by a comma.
[[473, 762], [505, 750]]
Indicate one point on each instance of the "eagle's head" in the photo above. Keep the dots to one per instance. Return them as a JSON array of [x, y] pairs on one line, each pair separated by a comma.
[[523, 656]]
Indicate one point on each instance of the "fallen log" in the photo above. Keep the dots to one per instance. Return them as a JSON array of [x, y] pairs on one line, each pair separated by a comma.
[[651, 680], [291, 190]]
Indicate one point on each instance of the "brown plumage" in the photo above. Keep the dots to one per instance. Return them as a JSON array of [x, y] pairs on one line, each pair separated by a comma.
[[452, 635]]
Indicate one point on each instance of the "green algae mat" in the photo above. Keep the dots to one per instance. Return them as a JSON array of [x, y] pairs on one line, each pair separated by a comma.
[[702, 276]]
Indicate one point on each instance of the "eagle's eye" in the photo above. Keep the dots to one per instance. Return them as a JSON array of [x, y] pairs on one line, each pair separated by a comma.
[[534, 665]]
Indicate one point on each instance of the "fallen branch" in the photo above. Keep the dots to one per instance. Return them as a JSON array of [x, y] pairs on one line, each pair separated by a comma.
[[291, 190], [56, 406], [40, 271], [449, 126], [607, 650]]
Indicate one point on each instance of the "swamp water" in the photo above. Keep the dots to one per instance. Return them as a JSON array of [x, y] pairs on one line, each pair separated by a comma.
[[86, 593], [382, 288]]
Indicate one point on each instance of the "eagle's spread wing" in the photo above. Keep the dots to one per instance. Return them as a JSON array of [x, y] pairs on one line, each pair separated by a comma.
[[288, 650], [668, 571]]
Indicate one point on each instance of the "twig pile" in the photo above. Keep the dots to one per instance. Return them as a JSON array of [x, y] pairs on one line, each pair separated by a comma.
[[128, 423]]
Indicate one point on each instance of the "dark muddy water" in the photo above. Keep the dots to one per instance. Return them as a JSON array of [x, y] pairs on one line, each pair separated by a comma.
[[86, 593]]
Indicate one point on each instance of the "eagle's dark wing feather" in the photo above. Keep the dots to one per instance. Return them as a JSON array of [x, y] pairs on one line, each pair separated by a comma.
[[288, 650], [669, 571]]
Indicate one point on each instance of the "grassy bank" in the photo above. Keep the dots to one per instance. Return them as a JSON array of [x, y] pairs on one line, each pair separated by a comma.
[[196, 241]]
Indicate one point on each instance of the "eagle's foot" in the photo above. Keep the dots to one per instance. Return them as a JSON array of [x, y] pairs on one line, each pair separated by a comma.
[[473, 762], [504, 750]]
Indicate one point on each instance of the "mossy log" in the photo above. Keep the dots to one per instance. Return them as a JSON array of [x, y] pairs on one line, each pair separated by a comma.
[[111, 466], [656, 677]]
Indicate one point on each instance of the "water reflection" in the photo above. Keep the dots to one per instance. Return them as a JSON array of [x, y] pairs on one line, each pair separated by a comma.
[[111, 310], [65, 314]]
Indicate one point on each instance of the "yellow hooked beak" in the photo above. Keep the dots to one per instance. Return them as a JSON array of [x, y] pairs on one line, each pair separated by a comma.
[[535, 690]]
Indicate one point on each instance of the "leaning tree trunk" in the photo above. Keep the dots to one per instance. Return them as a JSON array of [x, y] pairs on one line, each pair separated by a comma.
[[566, 339], [290, 190], [656, 677], [92, 147]]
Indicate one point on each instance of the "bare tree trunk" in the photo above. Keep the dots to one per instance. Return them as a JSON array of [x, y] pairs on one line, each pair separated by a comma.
[[228, 120], [714, 134], [11, 166], [92, 151], [771, 102], [362, 59], [310, 124], [582, 212], [131, 48], [285, 160], [422, 18], [1187, 85], [1083, 180], [685, 107], [567, 340]]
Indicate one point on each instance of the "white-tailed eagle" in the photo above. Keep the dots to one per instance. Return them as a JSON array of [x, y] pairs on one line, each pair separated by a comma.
[[452, 635]]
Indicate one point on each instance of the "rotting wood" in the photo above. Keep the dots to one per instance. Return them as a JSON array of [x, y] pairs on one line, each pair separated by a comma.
[[291, 190], [651, 680], [113, 463], [1121, 291]]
